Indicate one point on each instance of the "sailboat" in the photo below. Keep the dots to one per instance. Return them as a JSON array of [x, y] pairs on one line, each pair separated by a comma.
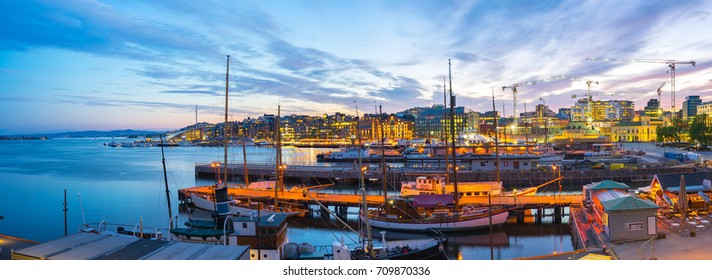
[[436, 212], [416, 249], [244, 207]]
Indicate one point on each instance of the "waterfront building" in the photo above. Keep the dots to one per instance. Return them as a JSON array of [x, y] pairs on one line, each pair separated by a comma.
[[623, 216], [689, 106], [394, 127], [432, 123]]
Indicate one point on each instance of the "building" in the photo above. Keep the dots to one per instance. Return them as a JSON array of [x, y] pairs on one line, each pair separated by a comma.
[[602, 111], [689, 106], [653, 109], [624, 217], [643, 130], [434, 122], [393, 127]]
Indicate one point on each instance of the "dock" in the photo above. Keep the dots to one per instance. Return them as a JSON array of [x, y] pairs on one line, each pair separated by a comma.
[[341, 202], [394, 176]]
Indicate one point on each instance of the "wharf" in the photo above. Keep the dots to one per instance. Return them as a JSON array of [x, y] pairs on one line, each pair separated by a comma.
[[355, 200], [394, 176]]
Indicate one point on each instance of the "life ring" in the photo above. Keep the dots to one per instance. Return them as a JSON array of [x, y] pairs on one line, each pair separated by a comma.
[[506, 163]]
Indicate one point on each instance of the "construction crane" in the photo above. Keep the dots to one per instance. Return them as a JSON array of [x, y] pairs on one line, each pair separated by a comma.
[[515, 86], [660, 100], [589, 107], [670, 62], [587, 95]]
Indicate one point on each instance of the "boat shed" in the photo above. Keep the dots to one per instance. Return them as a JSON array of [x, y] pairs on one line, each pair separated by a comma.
[[625, 217], [93, 246]]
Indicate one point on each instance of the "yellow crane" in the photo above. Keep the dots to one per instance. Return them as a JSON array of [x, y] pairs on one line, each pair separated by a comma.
[[670, 62], [515, 86]]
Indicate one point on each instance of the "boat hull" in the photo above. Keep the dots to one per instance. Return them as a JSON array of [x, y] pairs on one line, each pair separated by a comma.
[[208, 205], [444, 225]]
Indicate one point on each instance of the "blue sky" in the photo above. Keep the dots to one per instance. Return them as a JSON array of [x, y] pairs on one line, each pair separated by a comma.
[[79, 65]]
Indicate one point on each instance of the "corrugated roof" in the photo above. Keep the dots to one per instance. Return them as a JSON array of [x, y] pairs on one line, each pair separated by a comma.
[[628, 203], [610, 185]]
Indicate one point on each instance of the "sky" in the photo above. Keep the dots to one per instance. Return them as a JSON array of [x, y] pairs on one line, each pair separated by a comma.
[[105, 65]]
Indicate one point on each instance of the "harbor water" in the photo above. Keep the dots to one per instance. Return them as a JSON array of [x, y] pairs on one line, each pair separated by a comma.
[[125, 185]]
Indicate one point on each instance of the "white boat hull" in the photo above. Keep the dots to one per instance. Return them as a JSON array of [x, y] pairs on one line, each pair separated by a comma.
[[498, 219], [208, 205]]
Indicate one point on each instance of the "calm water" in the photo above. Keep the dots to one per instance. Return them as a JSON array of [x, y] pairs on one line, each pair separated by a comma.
[[125, 186]]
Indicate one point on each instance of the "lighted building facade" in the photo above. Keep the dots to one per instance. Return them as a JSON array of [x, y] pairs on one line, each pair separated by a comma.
[[602, 111], [644, 130], [689, 106]]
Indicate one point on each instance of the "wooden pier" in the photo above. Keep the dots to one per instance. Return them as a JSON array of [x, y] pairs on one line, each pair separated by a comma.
[[510, 178], [341, 202]]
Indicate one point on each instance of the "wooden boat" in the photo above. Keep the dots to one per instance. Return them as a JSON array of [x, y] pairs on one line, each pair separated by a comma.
[[436, 212], [436, 185], [425, 213]]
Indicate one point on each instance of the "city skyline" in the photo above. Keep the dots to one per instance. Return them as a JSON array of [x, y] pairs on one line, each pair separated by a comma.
[[82, 65]]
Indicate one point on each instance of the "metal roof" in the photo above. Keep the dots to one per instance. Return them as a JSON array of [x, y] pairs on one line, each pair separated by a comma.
[[607, 185], [628, 203], [198, 251]]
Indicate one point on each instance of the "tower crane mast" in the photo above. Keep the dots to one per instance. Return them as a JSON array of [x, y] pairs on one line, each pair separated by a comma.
[[670, 62], [515, 86]]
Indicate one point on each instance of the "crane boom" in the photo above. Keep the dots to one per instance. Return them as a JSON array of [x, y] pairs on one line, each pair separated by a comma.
[[670, 62], [514, 90]]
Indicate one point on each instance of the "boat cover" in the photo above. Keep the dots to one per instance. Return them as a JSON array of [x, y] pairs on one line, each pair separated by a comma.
[[432, 200]]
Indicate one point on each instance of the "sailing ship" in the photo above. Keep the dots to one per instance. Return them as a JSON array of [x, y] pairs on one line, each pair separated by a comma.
[[436, 212]]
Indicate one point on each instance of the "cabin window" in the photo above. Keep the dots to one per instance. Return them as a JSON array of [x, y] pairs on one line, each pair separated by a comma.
[[482, 163], [468, 194], [484, 193], [244, 225], [477, 193]]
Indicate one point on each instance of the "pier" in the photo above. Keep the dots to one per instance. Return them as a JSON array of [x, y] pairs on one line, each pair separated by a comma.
[[341, 202], [394, 176]]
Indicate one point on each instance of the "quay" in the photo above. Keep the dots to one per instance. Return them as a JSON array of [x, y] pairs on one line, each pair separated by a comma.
[[510, 178], [341, 202]]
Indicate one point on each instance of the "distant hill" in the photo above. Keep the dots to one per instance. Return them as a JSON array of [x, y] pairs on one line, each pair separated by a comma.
[[96, 133]]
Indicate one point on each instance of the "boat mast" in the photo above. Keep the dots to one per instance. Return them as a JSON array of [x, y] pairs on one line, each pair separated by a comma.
[[362, 186], [165, 180], [489, 194], [444, 134], [227, 81], [454, 152], [244, 158], [383, 159], [279, 184], [496, 138]]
